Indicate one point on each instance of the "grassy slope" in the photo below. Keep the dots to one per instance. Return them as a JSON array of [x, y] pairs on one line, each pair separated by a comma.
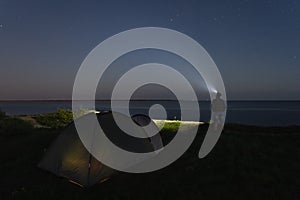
[[247, 163]]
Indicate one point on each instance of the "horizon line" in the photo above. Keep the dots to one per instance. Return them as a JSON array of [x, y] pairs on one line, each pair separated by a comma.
[[70, 100]]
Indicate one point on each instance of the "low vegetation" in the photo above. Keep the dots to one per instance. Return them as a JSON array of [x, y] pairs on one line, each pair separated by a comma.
[[57, 119], [11, 126]]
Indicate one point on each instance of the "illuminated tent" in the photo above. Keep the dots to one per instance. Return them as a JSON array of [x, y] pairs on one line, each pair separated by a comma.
[[67, 156]]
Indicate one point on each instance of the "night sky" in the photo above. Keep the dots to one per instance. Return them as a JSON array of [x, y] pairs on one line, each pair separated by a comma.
[[255, 44]]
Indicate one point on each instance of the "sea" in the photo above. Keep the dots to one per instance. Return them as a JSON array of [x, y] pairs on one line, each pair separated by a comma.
[[262, 113]]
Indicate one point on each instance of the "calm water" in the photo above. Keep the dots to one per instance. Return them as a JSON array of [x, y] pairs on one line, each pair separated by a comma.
[[267, 113]]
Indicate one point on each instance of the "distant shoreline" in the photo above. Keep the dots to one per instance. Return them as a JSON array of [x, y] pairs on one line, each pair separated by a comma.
[[266, 113], [103, 100]]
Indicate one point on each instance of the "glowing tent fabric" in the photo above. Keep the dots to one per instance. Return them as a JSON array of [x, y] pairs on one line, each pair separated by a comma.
[[67, 156]]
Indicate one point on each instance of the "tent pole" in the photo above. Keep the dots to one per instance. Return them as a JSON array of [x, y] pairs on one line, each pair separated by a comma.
[[89, 170], [90, 157]]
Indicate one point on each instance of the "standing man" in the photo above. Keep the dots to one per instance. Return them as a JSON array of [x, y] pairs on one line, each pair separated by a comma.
[[218, 108]]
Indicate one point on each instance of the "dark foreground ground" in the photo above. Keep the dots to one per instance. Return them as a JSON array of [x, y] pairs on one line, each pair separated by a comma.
[[247, 163]]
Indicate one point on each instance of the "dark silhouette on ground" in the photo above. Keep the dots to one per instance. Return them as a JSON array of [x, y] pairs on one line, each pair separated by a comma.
[[248, 162]]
